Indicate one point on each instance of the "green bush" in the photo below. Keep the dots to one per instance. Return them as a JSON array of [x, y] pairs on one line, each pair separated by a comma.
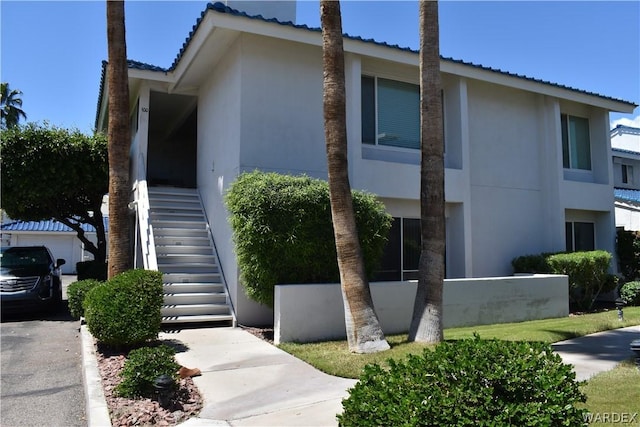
[[76, 293], [470, 382], [142, 367], [534, 264], [283, 232], [630, 293], [588, 275], [92, 270], [125, 311], [628, 251]]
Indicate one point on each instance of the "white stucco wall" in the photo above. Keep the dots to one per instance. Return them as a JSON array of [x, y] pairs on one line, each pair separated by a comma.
[[306, 313], [261, 108]]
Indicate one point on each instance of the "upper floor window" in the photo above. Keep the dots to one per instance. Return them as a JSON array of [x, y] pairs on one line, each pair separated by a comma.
[[627, 174], [390, 113], [576, 143]]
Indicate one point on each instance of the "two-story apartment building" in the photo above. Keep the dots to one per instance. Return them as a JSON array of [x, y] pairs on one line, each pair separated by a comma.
[[625, 143], [527, 162]]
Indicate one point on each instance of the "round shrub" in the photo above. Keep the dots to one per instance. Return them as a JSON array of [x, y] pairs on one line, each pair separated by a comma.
[[630, 293], [283, 232], [125, 311], [142, 367], [76, 293], [470, 382]]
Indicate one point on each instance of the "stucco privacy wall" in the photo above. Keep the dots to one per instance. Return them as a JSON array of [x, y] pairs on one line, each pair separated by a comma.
[[313, 312]]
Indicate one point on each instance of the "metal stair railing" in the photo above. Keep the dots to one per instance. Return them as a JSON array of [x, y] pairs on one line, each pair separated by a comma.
[[143, 213]]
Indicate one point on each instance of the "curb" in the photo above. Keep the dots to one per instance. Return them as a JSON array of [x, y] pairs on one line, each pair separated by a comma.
[[96, 405]]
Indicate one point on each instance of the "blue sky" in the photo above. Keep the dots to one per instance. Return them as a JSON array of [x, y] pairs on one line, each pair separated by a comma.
[[52, 50]]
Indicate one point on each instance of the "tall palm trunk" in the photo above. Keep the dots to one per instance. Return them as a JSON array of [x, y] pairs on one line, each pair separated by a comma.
[[426, 322], [364, 333], [119, 135]]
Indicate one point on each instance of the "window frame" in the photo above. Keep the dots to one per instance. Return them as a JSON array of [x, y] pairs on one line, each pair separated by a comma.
[[627, 174], [568, 161], [399, 242], [375, 111], [572, 248]]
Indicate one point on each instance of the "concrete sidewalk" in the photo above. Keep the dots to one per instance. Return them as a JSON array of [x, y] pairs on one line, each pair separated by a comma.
[[598, 352], [246, 381]]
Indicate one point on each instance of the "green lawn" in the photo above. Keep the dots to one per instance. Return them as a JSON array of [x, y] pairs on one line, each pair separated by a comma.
[[614, 396], [333, 357]]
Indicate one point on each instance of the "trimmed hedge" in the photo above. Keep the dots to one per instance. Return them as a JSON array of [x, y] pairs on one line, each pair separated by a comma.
[[283, 232], [587, 271], [630, 293], [533, 264], [76, 293], [628, 251], [143, 366], [125, 311], [470, 382], [588, 275]]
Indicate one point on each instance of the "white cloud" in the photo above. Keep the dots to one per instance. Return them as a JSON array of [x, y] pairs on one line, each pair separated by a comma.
[[634, 122]]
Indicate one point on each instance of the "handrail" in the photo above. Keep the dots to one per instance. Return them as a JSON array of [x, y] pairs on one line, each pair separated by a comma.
[[147, 242], [215, 250]]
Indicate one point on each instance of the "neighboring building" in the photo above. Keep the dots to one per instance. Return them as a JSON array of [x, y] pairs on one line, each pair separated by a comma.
[[528, 165], [625, 144], [59, 238]]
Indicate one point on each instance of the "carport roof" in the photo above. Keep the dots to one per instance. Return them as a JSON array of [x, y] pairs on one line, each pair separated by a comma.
[[48, 226], [625, 195]]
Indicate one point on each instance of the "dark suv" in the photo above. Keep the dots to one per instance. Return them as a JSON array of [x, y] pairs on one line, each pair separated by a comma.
[[29, 278]]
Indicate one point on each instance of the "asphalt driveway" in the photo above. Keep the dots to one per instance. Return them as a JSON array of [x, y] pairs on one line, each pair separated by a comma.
[[41, 369]]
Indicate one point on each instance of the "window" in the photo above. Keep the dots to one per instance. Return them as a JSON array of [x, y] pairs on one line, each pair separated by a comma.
[[580, 236], [390, 113], [627, 174], [576, 143], [402, 252]]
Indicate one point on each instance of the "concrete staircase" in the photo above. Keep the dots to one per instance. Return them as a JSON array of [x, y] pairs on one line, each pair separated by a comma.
[[194, 290]]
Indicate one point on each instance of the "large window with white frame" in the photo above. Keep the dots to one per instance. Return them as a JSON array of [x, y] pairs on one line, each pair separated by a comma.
[[576, 142], [580, 236], [390, 113]]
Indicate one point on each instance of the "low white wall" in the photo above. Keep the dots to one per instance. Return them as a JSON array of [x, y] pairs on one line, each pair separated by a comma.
[[314, 312]]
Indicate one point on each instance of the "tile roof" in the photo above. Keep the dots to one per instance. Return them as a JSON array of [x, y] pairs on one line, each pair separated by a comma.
[[222, 8], [48, 226], [625, 195], [621, 150]]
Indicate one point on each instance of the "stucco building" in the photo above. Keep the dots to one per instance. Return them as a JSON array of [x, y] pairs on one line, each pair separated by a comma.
[[528, 162]]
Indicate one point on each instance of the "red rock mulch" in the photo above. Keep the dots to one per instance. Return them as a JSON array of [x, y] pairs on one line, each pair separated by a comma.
[[144, 412]]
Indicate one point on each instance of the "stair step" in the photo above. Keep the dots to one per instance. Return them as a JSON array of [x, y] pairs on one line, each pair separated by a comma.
[[197, 319], [185, 215], [184, 233], [211, 277], [180, 224], [194, 298], [187, 259], [192, 268], [182, 241], [159, 189], [196, 287], [193, 309], [171, 250]]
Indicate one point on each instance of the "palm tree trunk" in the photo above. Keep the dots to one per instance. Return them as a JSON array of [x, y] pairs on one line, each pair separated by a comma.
[[364, 333], [119, 135], [426, 322]]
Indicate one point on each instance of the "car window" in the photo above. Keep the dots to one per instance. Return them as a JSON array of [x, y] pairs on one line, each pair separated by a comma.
[[24, 257]]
